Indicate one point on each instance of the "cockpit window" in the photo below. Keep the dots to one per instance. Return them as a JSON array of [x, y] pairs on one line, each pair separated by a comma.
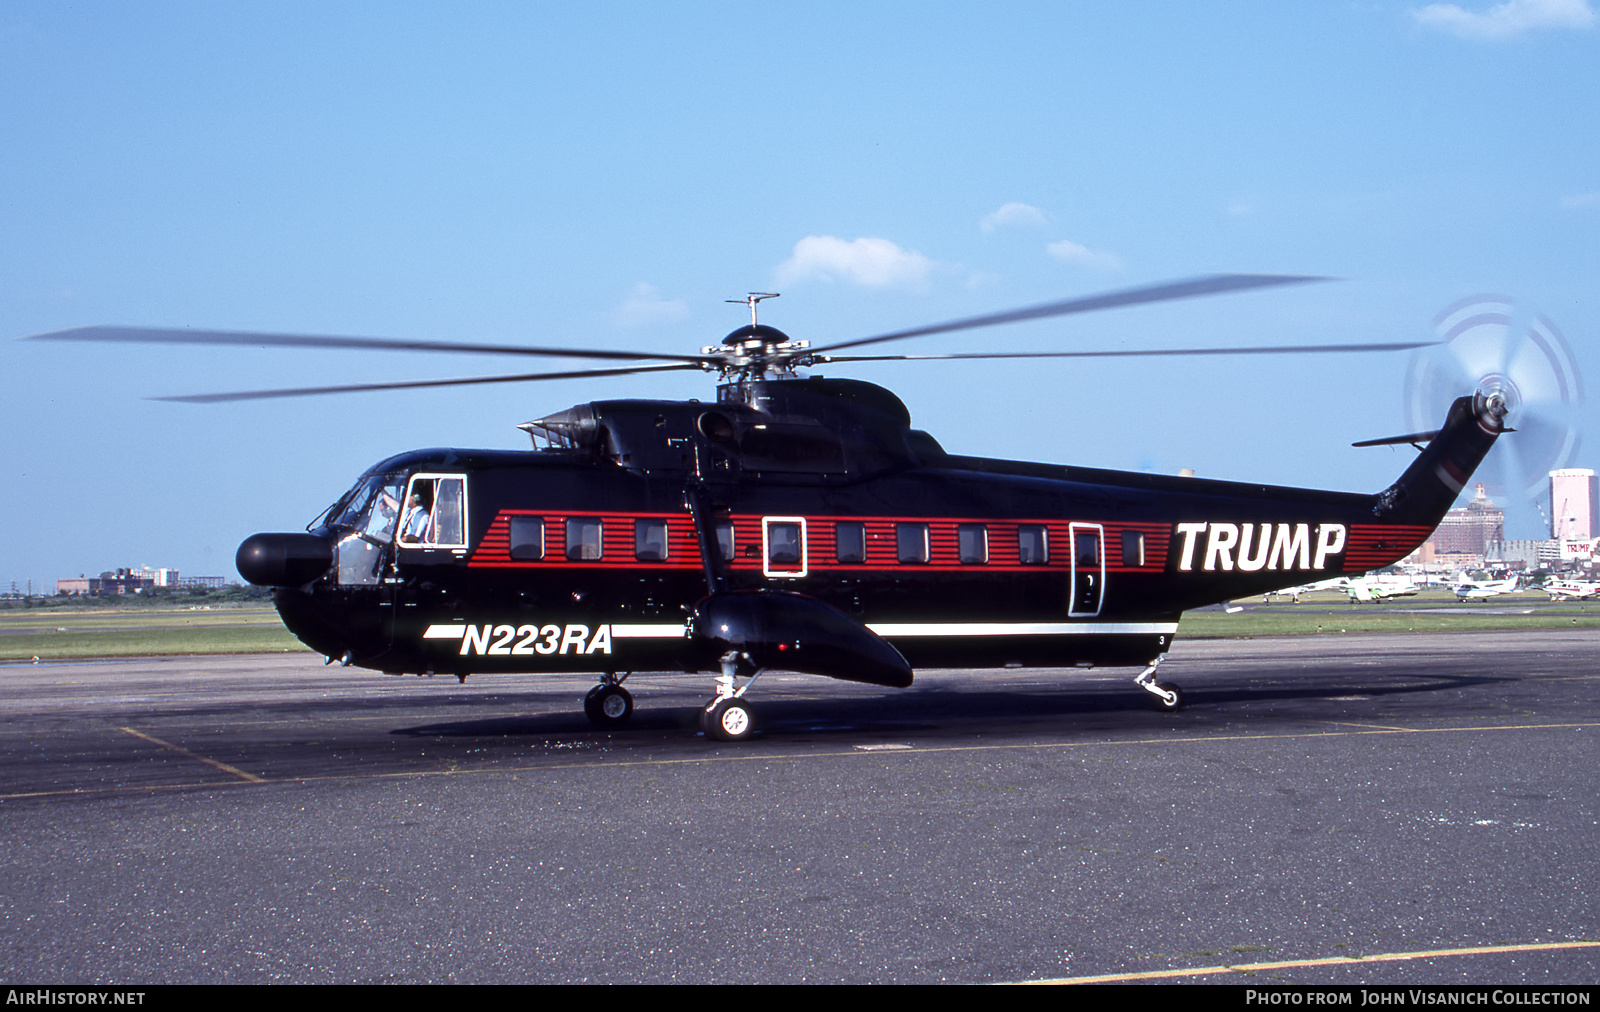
[[385, 510], [371, 507]]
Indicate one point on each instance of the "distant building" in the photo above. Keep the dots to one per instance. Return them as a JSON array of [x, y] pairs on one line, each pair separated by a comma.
[[111, 582], [1573, 502], [1544, 554], [158, 577], [135, 581], [1470, 531]]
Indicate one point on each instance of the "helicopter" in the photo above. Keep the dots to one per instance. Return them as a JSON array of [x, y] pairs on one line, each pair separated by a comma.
[[800, 523]]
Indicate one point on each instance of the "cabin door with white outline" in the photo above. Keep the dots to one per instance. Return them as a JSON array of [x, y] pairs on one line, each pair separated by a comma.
[[1088, 569]]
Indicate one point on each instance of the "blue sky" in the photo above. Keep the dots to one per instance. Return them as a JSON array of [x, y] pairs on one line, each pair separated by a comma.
[[607, 174]]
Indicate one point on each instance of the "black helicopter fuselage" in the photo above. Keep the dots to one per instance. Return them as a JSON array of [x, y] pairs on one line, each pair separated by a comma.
[[803, 524]]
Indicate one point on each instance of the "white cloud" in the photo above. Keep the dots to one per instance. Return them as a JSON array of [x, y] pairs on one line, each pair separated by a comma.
[[1070, 252], [872, 263], [1504, 20], [1013, 214], [1580, 200], [644, 306]]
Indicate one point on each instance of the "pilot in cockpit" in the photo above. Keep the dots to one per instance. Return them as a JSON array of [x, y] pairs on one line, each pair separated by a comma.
[[380, 522], [418, 515]]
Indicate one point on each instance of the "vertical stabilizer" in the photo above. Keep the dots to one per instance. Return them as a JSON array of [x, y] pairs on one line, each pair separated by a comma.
[[1433, 481]]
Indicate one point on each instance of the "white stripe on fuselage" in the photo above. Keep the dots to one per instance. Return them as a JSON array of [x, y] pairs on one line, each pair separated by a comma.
[[909, 629], [891, 630], [662, 631]]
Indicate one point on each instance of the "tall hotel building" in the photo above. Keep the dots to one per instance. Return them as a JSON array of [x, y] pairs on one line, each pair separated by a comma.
[[1471, 529]]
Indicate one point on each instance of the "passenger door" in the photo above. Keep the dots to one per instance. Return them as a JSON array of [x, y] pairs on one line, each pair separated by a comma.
[[1088, 569]]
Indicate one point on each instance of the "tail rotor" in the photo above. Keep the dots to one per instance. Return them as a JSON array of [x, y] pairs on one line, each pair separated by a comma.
[[1489, 345]]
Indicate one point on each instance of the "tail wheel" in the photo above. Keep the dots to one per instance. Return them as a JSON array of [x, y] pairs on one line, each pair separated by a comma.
[[1172, 705]]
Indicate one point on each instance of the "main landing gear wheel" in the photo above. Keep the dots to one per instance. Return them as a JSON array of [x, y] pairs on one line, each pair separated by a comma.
[[608, 705], [725, 719]]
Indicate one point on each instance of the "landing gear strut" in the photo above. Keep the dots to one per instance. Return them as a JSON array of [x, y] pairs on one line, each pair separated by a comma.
[[726, 716], [1169, 698], [608, 704]]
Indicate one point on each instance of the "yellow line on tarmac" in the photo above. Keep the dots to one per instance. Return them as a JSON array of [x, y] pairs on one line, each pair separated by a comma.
[[1369, 727], [1290, 964], [224, 767]]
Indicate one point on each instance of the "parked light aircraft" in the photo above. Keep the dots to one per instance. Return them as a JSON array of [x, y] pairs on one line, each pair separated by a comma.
[[1479, 590]]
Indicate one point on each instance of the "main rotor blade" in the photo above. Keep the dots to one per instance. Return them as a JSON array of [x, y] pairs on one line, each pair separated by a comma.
[[162, 335], [257, 395], [1210, 284], [1287, 349]]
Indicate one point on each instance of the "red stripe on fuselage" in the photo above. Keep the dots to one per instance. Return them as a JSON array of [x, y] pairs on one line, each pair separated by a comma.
[[683, 550]]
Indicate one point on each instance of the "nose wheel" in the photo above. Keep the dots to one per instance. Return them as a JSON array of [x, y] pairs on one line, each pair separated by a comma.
[[608, 704]]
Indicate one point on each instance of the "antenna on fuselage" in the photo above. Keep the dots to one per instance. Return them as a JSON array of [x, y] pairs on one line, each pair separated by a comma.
[[751, 300]]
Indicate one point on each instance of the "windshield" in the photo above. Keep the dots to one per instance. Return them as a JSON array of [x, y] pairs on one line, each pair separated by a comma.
[[371, 507]]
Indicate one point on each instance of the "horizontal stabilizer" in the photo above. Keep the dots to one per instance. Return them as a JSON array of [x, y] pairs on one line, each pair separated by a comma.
[[1415, 437]]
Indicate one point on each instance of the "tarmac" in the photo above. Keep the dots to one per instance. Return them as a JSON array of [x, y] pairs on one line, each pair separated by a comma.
[[1337, 809]]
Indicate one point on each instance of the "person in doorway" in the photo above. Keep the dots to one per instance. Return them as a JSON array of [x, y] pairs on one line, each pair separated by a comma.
[[418, 515]]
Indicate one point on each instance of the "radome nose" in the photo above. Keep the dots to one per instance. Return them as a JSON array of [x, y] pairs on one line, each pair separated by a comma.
[[283, 560]]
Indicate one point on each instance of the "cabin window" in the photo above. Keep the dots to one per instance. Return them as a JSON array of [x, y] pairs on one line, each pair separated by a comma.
[[850, 542], [911, 542], [1132, 548], [724, 529], [449, 512], [1085, 548], [1033, 545], [650, 540], [783, 543], [435, 512], [972, 544], [527, 538], [784, 540], [583, 539]]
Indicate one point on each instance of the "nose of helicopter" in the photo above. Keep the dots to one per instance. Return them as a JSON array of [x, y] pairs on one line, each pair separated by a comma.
[[283, 560]]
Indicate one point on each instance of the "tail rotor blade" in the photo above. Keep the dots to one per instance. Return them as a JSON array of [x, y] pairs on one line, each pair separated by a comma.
[[1482, 349]]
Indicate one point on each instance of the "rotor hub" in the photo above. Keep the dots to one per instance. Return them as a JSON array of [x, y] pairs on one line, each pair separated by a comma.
[[1501, 391], [755, 333], [757, 351]]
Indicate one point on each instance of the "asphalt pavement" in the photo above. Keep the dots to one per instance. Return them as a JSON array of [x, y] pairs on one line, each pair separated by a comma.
[[1321, 802]]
